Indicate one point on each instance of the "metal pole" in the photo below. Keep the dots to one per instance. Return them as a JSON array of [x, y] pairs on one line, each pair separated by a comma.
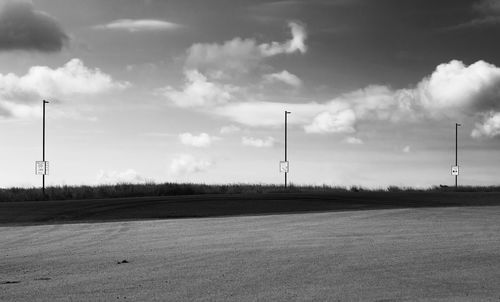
[[456, 152], [286, 160], [43, 149]]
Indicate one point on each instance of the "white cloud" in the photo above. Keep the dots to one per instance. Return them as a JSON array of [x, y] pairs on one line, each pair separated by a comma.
[[285, 77], [490, 15], [328, 122], [490, 127], [296, 44], [353, 140], [407, 149], [241, 55], [201, 141], [18, 93], [186, 164], [137, 25], [113, 177], [454, 87], [268, 114], [229, 129], [258, 142], [198, 91]]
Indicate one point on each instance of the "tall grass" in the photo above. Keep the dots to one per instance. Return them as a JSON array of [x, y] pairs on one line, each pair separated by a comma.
[[172, 189]]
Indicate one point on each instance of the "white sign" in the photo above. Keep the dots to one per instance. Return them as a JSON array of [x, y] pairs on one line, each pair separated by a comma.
[[284, 166], [454, 170], [42, 168]]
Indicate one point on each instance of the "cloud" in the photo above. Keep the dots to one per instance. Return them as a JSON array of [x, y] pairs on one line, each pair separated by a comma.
[[258, 142], [19, 93], [198, 91], [454, 87], [186, 164], [487, 7], [490, 127], [201, 141], [229, 129], [139, 25], [285, 77], [407, 149], [489, 11], [268, 114], [296, 44], [353, 140], [242, 55], [114, 177], [452, 90], [336, 122], [24, 28]]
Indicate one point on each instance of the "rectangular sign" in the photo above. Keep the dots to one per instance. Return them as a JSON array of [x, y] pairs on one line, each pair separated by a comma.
[[284, 166], [41, 167], [454, 170]]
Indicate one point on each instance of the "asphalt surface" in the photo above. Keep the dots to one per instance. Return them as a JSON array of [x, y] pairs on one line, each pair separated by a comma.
[[417, 254]]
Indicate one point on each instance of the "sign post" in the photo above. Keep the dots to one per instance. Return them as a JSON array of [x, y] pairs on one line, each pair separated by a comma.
[[455, 172], [284, 164], [43, 165]]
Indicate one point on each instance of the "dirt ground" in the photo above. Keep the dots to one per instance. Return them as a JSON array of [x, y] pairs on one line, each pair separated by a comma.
[[422, 254]]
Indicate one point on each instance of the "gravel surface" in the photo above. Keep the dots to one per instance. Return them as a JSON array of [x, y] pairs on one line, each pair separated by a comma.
[[424, 254]]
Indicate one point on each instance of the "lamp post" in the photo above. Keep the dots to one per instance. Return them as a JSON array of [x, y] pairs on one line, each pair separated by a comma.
[[456, 154], [286, 160], [43, 150]]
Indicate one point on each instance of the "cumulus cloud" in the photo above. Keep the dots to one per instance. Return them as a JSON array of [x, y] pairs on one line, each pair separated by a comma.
[[186, 164], [258, 142], [353, 140], [455, 87], [490, 126], [24, 28], [198, 91], [284, 77], [139, 25], [129, 176], [242, 55], [201, 141], [452, 90], [18, 93]]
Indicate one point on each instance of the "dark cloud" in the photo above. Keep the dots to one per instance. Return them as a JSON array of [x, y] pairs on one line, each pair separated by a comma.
[[23, 27]]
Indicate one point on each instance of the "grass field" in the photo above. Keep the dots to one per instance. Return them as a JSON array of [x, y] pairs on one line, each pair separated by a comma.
[[419, 254]]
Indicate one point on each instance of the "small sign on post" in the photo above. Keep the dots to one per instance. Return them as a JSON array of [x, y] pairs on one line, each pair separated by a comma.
[[454, 170], [41, 168], [284, 166]]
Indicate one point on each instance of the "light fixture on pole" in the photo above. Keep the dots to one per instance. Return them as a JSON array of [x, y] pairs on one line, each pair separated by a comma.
[[455, 169], [284, 165], [42, 167]]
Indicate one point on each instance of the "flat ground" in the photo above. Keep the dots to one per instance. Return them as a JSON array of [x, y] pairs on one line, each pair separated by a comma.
[[427, 254]]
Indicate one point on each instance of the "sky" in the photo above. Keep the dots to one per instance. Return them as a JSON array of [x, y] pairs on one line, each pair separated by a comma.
[[195, 91]]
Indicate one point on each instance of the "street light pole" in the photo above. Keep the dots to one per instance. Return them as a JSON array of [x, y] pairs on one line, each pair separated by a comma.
[[43, 148], [456, 152], [286, 160]]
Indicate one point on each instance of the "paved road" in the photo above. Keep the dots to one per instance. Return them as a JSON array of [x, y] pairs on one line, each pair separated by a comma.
[[426, 254]]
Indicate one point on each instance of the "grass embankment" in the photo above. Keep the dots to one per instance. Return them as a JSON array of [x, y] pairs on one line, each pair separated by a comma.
[[175, 189]]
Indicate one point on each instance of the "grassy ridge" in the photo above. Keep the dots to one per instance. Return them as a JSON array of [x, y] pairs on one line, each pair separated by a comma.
[[174, 189]]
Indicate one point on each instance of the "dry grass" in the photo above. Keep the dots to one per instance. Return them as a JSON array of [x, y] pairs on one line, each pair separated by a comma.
[[174, 189]]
